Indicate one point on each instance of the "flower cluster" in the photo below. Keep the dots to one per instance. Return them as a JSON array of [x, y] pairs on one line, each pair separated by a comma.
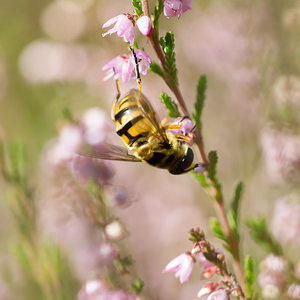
[[97, 289], [64, 152], [124, 26], [275, 272], [212, 262], [123, 66]]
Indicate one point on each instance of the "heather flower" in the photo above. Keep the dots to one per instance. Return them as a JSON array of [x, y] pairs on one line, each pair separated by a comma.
[[144, 25], [203, 262], [115, 230], [219, 294], [281, 155], [124, 27], [124, 66], [274, 263], [175, 8], [92, 289], [182, 265], [68, 143], [285, 224], [208, 288], [294, 291], [95, 126], [186, 129], [210, 272]]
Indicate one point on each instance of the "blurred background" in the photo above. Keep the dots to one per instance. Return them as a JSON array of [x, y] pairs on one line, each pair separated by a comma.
[[51, 55]]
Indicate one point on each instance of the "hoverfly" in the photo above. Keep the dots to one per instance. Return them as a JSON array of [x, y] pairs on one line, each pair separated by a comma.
[[149, 140]]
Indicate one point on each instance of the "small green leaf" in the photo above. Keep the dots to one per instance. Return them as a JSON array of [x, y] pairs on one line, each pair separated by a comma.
[[260, 234], [155, 68], [249, 276], [201, 178], [137, 7], [234, 210], [170, 105], [217, 230], [168, 45], [14, 162], [137, 286], [201, 88], [212, 165]]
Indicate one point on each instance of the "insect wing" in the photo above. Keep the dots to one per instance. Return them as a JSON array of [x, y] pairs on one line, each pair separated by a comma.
[[150, 114], [110, 152]]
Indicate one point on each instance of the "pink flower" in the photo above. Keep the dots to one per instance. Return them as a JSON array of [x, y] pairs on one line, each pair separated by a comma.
[[124, 27], [124, 66], [182, 265], [187, 128], [219, 294], [144, 25], [208, 288], [175, 8]]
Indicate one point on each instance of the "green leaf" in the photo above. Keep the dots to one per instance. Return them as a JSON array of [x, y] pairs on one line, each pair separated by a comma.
[[137, 286], [168, 45], [249, 276], [159, 7], [201, 88], [234, 209], [155, 68], [237, 197], [170, 105], [14, 162], [260, 234], [137, 7], [201, 178], [212, 165], [215, 227]]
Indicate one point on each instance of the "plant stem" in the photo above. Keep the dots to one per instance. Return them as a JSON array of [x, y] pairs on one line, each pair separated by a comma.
[[218, 203]]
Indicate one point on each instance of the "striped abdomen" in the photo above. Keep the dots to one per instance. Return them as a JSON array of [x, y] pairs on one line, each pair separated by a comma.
[[131, 125]]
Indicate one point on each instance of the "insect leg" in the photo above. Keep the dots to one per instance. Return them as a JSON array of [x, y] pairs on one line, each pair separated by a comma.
[[117, 97], [164, 121], [184, 138], [137, 72]]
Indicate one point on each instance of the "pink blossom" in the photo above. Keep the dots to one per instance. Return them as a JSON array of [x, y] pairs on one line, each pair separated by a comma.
[[210, 272], [182, 265], [219, 294], [175, 8], [92, 288], [186, 129], [208, 288], [144, 25], [124, 27], [124, 66]]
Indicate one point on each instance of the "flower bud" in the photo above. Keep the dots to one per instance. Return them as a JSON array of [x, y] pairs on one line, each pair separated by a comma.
[[115, 230], [144, 25], [208, 288]]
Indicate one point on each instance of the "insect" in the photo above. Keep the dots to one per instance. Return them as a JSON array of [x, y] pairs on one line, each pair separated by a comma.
[[149, 140]]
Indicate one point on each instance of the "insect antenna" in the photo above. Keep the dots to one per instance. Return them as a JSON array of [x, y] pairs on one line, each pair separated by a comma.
[[137, 71]]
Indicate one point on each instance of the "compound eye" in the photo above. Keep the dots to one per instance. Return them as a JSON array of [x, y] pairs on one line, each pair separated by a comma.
[[186, 163]]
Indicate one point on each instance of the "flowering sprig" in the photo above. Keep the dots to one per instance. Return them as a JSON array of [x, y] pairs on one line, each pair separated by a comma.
[[212, 262], [164, 48]]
